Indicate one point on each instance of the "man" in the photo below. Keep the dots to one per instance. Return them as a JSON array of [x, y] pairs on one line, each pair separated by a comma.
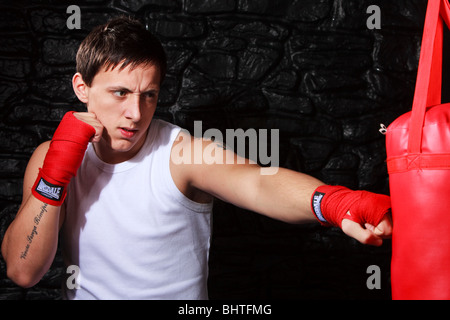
[[135, 222]]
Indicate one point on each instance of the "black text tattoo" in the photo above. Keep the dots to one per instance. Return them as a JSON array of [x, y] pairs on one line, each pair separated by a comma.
[[33, 233]]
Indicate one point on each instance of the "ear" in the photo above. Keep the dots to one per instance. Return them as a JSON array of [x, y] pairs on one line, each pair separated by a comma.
[[80, 88]]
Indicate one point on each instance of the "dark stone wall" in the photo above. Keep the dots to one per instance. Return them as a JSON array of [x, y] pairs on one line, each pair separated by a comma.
[[310, 68]]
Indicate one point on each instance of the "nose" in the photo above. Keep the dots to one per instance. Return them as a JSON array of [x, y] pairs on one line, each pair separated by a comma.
[[133, 108]]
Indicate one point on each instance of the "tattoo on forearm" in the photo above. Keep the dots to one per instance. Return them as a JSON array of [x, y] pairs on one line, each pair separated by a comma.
[[30, 237]]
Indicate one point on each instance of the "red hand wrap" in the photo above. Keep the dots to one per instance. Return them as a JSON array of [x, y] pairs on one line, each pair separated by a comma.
[[63, 159], [332, 204]]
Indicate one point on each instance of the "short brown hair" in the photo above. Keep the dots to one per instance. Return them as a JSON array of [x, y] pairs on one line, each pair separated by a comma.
[[122, 40]]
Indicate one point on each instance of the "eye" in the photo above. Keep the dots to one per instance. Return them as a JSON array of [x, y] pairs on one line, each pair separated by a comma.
[[120, 93], [151, 94]]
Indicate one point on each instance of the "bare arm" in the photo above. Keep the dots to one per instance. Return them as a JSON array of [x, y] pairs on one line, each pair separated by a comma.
[[284, 195], [30, 242]]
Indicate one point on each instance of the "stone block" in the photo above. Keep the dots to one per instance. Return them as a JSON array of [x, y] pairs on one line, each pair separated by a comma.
[[209, 6]]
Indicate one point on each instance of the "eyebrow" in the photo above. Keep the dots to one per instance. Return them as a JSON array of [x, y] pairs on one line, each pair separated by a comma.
[[118, 88], [121, 88]]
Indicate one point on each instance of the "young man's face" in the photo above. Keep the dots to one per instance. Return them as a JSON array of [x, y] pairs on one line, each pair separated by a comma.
[[124, 102]]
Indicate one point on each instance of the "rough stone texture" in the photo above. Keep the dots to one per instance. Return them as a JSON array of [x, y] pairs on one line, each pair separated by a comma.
[[310, 68]]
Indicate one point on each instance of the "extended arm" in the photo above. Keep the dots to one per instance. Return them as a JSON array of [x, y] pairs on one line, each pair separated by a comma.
[[286, 195]]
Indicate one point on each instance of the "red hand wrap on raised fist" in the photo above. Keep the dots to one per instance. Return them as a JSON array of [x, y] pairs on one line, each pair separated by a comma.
[[63, 159], [332, 204]]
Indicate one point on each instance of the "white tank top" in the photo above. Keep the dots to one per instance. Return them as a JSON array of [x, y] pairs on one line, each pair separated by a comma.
[[130, 233]]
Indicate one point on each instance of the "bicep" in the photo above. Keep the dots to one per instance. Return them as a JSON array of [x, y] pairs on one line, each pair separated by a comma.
[[225, 175], [284, 194]]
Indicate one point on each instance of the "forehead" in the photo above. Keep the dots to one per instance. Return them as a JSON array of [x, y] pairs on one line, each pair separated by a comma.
[[140, 76]]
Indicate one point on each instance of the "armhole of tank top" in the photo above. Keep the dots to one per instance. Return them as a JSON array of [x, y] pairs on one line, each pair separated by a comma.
[[174, 192]]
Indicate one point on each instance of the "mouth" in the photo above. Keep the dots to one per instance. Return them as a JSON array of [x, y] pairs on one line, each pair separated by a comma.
[[128, 132]]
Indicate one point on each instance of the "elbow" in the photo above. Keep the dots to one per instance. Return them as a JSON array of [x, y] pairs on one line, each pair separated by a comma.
[[22, 272], [21, 277]]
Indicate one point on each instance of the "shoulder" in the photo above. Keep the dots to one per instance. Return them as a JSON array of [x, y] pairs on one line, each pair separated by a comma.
[[163, 132], [185, 166], [162, 125]]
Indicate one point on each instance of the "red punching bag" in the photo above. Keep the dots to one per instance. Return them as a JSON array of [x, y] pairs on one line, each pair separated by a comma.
[[418, 161]]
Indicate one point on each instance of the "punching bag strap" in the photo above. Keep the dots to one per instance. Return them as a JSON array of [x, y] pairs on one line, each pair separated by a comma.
[[429, 75]]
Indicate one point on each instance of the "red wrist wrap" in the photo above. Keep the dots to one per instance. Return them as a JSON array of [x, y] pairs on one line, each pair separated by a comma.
[[332, 204], [63, 159]]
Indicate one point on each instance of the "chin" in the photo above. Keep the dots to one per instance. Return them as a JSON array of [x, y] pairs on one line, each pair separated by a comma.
[[123, 146], [117, 149]]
